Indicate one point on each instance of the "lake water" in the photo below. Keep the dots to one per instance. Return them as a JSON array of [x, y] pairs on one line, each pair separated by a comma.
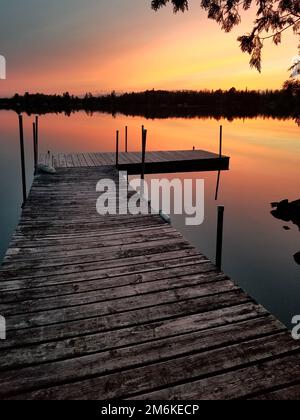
[[258, 249]]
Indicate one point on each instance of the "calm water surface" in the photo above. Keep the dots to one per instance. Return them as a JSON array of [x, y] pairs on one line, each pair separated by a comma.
[[258, 250]]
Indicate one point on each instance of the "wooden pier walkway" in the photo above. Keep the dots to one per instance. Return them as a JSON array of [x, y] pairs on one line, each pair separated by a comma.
[[104, 307], [156, 162]]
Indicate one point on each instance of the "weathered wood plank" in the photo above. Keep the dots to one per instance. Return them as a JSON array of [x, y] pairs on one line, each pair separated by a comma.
[[62, 160], [93, 160], [121, 266], [128, 357], [126, 383], [113, 293], [40, 353], [69, 160], [107, 307], [289, 393], [40, 248], [88, 159], [239, 384], [76, 161], [121, 320], [82, 160], [107, 253], [177, 268]]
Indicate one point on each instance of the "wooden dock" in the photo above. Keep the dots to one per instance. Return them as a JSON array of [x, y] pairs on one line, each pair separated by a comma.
[[156, 162], [106, 307]]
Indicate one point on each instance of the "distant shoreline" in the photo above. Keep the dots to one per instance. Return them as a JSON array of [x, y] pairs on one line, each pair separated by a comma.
[[228, 104]]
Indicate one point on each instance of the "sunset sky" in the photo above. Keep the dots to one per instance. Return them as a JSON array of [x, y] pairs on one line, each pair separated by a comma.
[[104, 45]]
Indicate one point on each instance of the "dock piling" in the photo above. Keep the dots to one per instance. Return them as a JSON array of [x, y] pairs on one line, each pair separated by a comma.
[[34, 147], [117, 148], [144, 144], [21, 131], [126, 139], [221, 141], [221, 210], [37, 137]]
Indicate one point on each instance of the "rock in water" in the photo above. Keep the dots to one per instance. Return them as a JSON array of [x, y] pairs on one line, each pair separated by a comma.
[[288, 212], [297, 258]]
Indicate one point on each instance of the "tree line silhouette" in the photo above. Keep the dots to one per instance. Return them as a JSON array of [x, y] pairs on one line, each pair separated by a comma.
[[228, 104]]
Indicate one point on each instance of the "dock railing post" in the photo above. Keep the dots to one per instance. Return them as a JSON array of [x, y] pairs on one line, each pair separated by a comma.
[[221, 141], [117, 148], [37, 137], [126, 139], [144, 144], [34, 147], [221, 210], [21, 130]]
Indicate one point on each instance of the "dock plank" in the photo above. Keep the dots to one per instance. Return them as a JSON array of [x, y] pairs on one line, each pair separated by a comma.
[[243, 383], [126, 383], [37, 353], [175, 268], [30, 378]]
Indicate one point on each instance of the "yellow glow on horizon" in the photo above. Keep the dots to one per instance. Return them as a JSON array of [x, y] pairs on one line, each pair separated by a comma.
[[190, 53]]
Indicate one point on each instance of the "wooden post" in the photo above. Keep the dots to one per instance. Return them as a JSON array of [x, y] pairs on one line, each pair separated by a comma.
[[144, 143], [37, 137], [126, 139], [220, 237], [34, 147], [143, 130], [221, 141], [21, 130], [117, 149]]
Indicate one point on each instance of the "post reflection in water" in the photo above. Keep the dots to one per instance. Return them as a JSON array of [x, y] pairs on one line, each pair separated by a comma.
[[218, 186]]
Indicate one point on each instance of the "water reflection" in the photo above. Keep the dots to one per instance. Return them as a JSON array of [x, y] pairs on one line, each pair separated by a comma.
[[218, 186], [288, 212]]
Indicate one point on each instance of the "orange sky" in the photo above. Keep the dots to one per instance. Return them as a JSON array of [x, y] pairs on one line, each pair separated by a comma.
[[95, 46]]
